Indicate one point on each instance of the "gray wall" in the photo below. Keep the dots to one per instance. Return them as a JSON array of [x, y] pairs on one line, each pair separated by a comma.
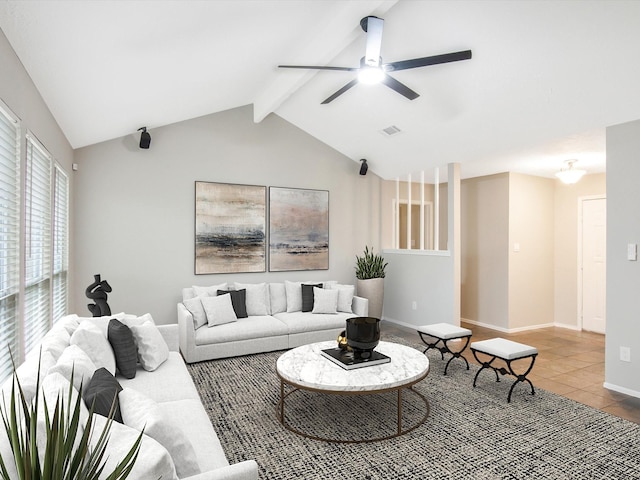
[[623, 276], [19, 93], [135, 208]]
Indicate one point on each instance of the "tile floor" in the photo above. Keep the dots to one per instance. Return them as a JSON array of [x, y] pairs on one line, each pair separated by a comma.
[[578, 376]]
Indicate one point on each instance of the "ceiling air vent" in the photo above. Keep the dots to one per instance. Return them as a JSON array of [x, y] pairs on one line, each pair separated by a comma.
[[390, 131]]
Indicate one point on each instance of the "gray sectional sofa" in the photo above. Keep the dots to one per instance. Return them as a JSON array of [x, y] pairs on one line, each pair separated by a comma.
[[275, 320], [179, 440]]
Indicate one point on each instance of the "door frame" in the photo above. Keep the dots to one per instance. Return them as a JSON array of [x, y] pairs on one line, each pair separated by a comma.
[[580, 292]]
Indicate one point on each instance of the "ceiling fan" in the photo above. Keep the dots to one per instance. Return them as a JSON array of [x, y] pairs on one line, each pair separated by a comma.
[[372, 70]]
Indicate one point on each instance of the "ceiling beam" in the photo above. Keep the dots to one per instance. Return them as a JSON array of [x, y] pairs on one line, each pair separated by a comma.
[[333, 38]]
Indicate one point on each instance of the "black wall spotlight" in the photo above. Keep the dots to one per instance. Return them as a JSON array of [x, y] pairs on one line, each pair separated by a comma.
[[145, 138], [364, 167]]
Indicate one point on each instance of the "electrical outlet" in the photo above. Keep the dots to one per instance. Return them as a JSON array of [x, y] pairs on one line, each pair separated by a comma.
[[414, 305], [625, 354]]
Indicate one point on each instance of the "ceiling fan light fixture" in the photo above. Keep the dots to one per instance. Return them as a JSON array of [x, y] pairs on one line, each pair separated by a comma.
[[568, 174], [370, 75]]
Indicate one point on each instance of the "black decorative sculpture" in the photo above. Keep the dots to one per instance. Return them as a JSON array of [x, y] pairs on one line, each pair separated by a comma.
[[97, 292]]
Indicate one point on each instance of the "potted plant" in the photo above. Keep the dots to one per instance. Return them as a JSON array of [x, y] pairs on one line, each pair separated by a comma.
[[67, 454], [370, 273]]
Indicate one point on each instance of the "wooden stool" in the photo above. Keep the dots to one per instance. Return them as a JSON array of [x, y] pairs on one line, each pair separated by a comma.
[[443, 332], [508, 351]]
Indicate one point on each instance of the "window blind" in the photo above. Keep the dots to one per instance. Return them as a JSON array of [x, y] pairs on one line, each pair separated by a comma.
[[37, 281], [60, 243], [9, 239]]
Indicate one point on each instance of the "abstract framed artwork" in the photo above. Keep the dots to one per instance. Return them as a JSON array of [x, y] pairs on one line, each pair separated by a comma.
[[298, 229], [230, 234]]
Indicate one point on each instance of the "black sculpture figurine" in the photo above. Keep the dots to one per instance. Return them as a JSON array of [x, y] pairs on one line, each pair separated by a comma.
[[97, 292]]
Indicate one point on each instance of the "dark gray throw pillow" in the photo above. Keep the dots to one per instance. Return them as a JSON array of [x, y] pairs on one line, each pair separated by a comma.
[[307, 296], [102, 390], [238, 300], [124, 348]]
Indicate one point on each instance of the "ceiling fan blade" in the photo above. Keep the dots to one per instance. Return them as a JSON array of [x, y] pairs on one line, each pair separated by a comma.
[[315, 67], [341, 91], [373, 27], [401, 88], [426, 61]]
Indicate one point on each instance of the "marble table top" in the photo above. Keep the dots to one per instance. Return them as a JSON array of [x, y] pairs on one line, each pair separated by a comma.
[[305, 367]]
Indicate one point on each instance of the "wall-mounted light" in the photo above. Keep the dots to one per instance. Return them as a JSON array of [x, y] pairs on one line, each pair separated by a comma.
[[145, 138], [568, 174], [364, 167]]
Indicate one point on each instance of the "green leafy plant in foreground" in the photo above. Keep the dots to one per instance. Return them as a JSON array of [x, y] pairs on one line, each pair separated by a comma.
[[64, 457], [370, 265]]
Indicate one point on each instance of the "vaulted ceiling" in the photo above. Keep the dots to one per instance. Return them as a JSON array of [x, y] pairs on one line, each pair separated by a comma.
[[545, 80]]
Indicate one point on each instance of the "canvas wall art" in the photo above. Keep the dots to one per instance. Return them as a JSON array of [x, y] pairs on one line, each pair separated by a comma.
[[298, 229], [230, 228]]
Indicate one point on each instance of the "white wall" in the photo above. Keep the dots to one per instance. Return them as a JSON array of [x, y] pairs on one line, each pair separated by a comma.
[[135, 208], [623, 276]]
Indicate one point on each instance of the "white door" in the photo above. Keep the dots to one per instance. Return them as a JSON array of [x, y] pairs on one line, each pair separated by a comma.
[[594, 264]]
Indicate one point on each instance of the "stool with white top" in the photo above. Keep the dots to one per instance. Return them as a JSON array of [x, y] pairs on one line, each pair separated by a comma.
[[443, 332], [507, 351]]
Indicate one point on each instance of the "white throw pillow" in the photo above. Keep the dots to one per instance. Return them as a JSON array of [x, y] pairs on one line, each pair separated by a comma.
[[75, 360], [28, 375], [194, 305], [68, 322], [130, 320], [219, 310], [208, 291], [153, 459], [294, 296], [345, 297], [141, 412], [324, 301], [257, 298], [278, 298], [55, 342], [153, 351], [90, 338], [101, 322]]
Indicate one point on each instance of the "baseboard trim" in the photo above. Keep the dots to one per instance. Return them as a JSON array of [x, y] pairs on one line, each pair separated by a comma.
[[402, 324], [619, 389], [509, 330]]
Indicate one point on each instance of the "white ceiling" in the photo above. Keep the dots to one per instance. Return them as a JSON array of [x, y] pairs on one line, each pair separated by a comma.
[[545, 79]]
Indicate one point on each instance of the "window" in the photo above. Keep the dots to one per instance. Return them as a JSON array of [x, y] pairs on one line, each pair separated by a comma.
[[37, 281], [60, 242], [9, 239]]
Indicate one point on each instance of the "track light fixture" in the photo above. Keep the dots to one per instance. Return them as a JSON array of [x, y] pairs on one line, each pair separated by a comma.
[[145, 138], [364, 167]]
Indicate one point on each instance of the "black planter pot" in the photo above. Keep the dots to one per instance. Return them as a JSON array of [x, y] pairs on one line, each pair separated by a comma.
[[363, 335]]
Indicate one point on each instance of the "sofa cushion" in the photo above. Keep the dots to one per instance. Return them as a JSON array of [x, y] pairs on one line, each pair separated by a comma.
[[101, 392], [154, 384], [345, 297], [307, 295], [68, 322], [211, 291], [74, 360], [195, 423], [142, 413], [194, 305], [238, 301], [153, 459], [277, 298], [91, 339], [298, 322], [257, 299], [27, 373], [152, 349], [325, 301], [55, 342], [219, 310], [244, 329], [294, 296], [124, 348]]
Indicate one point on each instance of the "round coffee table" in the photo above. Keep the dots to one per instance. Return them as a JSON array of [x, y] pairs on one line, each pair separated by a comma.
[[304, 368]]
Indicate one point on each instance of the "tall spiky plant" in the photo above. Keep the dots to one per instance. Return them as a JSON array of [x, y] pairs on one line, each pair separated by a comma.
[[63, 458], [370, 265]]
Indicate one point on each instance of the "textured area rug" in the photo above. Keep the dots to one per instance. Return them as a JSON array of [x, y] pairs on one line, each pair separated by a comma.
[[471, 433]]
